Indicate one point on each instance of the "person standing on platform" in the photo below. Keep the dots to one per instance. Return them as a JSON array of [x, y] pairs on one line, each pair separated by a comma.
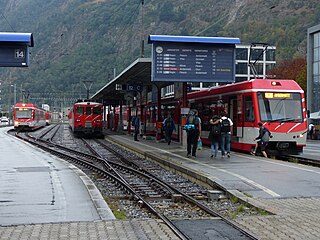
[[215, 135], [226, 125], [168, 126], [193, 132], [311, 130], [264, 137], [136, 124]]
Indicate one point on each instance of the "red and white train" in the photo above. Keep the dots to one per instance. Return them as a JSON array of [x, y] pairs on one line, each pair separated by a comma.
[[29, 116], [86, 118], [279, 104]]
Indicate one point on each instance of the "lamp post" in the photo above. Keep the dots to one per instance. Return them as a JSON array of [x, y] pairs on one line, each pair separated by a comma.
[[14, 93], [9, 100]]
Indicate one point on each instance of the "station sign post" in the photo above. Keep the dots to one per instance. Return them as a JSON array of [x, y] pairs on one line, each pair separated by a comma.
[[190, 59]]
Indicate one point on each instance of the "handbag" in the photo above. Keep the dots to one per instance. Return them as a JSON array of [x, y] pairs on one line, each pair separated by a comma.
[[199, 147]]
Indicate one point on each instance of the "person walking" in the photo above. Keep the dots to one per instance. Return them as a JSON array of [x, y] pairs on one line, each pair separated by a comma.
[[168, 126], [215, 135], [264, 137], [136, 124], [193, 132], [226, 124]]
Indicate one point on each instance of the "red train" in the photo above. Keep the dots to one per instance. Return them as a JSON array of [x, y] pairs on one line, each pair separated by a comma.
[[85, 118], [29, 116], [278, 104]]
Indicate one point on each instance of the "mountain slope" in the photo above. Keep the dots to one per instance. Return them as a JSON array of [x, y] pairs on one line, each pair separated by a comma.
[[81, 40]]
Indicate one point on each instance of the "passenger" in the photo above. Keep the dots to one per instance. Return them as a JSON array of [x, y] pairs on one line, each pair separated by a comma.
[[264, 137], [193, 132], [168, 126], [226, 124], [215, 135], [136, 124], [311, 130]]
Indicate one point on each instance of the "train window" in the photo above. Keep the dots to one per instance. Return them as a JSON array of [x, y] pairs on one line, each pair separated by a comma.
[[88, 110], [249, 113], [23, 113], [282, 107], [80, 110], [96, 110]]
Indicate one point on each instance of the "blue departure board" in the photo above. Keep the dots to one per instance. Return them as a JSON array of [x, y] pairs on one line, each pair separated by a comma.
[[193, 62]]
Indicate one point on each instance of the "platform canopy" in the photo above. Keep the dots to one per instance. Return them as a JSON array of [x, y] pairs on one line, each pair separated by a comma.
[[138, 73], [13, 38]]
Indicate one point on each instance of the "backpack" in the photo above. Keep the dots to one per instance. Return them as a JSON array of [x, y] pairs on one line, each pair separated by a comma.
[[191, 119], [265, 136], [192, 123], [169, 123], [225, 125], [133, 119], [216, 130]]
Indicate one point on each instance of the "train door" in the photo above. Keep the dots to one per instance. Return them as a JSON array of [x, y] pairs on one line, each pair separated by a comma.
[[233, 107]]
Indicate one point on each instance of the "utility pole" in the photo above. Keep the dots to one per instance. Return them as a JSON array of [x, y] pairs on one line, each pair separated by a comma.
[[142, 29]]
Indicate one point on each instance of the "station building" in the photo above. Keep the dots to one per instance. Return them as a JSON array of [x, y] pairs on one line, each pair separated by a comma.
[[313, 69]]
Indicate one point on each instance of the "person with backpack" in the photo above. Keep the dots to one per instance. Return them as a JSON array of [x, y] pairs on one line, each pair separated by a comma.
[[168, 126], [264, 137], [193, 132], [215, 135], [226, 124]]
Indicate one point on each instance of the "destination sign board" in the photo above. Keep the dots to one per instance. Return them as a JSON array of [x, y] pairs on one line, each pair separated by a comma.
[[193, 62]]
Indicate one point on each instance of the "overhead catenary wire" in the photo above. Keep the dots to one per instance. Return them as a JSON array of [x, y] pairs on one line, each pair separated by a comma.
[[7, 21]]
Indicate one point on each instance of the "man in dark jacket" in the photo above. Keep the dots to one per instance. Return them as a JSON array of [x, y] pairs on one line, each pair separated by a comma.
[[193, 133], [264, 136], [168, 126]]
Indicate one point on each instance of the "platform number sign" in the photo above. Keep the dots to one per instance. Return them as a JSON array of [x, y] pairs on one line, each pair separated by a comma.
[[14, 56], [19, 53]]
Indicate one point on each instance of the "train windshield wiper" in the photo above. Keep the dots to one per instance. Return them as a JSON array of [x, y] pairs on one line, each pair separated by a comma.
[[282, 120], [288, 120]]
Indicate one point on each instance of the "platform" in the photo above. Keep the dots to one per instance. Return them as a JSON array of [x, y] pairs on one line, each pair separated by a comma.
[[36, 187], [290, 191]]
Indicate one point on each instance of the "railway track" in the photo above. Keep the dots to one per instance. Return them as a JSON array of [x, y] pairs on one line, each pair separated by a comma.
[[149, 191]]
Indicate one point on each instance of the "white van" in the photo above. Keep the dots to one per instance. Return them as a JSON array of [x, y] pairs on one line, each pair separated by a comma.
[[4, 121]]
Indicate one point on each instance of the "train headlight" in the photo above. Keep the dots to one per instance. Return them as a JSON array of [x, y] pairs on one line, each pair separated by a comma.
[[77, 120]]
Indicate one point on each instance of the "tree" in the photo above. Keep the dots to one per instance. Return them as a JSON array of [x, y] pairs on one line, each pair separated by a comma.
[[295, 69]]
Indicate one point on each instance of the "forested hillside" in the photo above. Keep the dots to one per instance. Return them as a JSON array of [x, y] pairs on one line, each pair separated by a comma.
[[80, 40]]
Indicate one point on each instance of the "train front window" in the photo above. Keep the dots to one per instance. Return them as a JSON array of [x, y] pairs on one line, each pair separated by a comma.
[[23, 113], [280, 107], [96, 110], [80, 110]]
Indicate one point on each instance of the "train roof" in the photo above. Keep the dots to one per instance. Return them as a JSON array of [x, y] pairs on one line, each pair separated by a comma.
[[87, 103], [28, 105], [254, 85]]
